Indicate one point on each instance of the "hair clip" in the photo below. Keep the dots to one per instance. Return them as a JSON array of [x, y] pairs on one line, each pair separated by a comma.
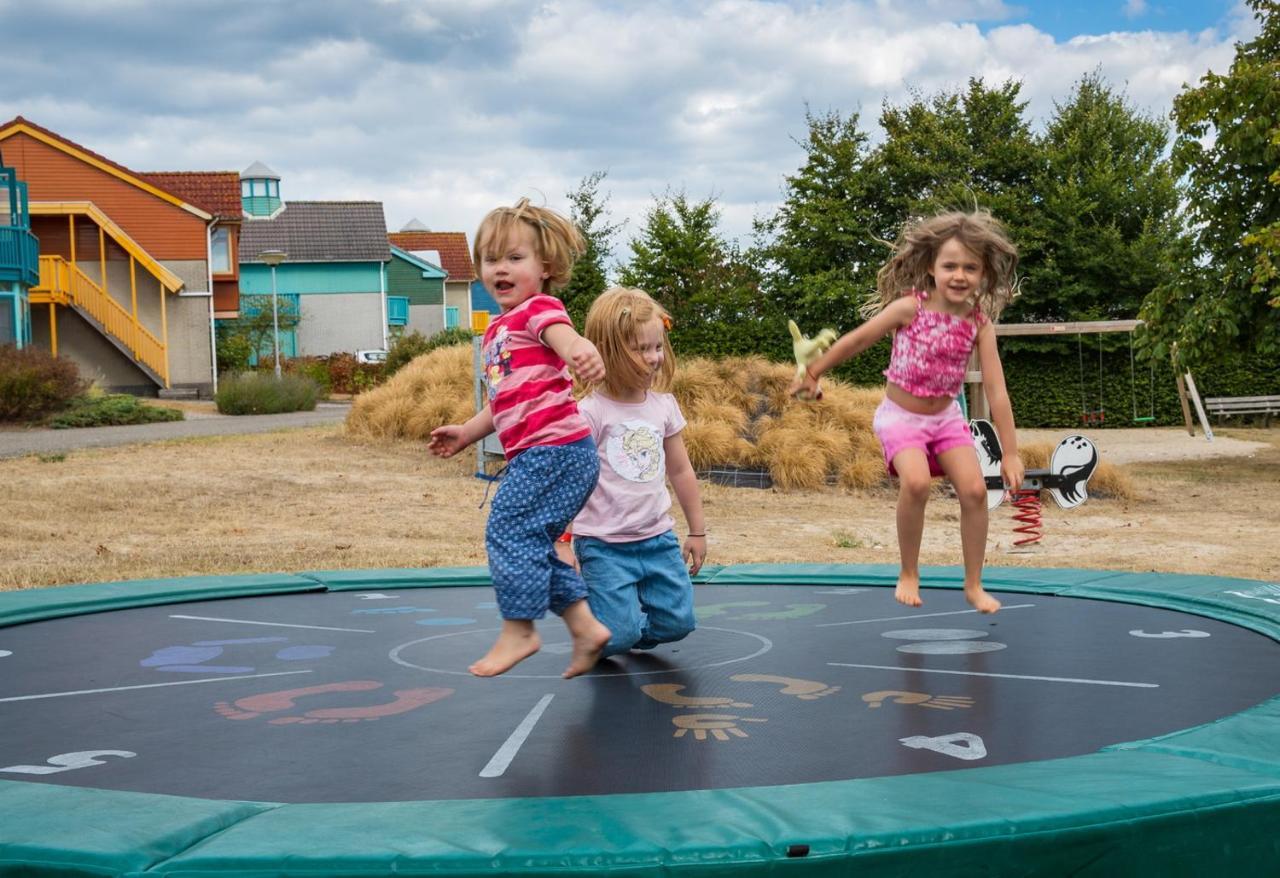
[[625, 312], [666, 322]]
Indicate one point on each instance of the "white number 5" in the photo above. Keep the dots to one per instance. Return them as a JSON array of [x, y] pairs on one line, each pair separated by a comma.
[[68, 762]]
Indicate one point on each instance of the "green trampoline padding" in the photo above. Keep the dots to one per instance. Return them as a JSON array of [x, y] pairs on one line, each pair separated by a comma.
[[1202, 800]]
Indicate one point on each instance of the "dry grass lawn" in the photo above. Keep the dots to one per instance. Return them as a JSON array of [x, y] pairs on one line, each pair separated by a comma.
[[320, 499]]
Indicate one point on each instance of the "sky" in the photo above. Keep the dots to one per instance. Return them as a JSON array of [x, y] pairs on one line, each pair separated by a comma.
[[444, 109]]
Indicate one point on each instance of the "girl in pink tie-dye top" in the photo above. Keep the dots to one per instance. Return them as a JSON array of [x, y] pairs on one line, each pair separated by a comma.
[[949, 277]]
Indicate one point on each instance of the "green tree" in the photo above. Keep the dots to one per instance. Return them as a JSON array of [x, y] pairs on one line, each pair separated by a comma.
[[958, 150], [710, 288], [255, 324], [822, 246], [1105, 216], [1222, 299], [590, 211]]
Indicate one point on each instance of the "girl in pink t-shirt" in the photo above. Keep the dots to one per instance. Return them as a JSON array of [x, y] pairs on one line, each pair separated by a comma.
[[949, 277], [637, 573]]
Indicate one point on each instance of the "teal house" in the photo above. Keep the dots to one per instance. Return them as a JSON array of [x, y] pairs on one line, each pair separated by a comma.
[[331, 267], [19, 259], [416, 293]]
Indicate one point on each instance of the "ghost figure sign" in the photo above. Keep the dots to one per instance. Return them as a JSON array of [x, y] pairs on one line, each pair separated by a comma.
[[806, 349]]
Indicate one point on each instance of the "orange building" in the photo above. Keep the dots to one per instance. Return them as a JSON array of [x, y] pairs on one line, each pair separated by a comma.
[[133, 266]]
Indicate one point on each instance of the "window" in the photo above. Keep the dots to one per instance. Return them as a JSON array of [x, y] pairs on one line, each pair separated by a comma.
[[259, 187], [273, 188], [220, 251], [246, 188], [397, 310], [450, 318]]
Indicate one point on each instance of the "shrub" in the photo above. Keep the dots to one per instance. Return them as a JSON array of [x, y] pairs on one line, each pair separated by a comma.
[[315, 368], [259, 393], [35, 384], [234, 351], [415, 344], [109, 410]]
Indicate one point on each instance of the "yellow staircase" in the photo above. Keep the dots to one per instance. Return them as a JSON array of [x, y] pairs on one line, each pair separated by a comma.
[[63, 282]]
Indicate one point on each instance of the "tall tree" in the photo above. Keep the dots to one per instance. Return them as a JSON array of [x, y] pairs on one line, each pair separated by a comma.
[[1223, 299], [822, 245], [590, 211], [1105, 215], [710, 288], [957, 150]]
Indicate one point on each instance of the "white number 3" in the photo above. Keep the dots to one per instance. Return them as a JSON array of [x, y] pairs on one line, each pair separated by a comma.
[[68, 762]]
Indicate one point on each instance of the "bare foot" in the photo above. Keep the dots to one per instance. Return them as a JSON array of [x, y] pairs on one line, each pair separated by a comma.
[[981, 601], [908, 590], [514, 644], [588, 639]]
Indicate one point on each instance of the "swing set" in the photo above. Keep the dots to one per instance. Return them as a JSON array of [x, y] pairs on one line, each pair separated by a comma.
[[1097, 415]]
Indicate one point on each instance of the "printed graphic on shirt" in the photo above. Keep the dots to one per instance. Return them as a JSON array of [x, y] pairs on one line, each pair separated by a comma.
[[497, 361], [635, 451]]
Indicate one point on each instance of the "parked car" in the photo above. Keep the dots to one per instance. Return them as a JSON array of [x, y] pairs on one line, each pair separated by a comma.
[[374, 356]]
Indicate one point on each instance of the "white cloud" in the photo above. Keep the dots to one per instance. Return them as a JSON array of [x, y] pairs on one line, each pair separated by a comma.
[[442, 110], [1134, 8]]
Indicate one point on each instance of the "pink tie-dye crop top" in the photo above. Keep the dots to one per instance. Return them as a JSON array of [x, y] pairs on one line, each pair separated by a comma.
[[930, 353]]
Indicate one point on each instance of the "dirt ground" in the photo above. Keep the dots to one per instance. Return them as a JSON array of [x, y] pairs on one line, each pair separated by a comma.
[[312, 499]]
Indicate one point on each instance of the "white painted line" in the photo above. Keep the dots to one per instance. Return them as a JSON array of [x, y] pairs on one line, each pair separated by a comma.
[[152, 685], [918, 616], [498, 764], [273, 624], [1003, 676]]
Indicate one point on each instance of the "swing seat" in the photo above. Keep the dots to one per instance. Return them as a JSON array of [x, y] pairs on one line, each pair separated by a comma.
[[1090, 418], [1143, 420]]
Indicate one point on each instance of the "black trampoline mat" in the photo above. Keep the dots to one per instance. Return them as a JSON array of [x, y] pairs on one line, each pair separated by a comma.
[[364, 696]]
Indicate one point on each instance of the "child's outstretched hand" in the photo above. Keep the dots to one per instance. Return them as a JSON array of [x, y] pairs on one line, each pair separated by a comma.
[[805, 387], [585, 361], [446, 441], [695, 552], [1012, 471]]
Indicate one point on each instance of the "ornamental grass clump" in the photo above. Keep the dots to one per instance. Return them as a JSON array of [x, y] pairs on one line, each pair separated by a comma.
[[261, 393]]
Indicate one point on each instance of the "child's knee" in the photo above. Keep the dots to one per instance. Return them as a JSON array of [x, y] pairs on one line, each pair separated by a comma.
[[914, 488], [972, 493]]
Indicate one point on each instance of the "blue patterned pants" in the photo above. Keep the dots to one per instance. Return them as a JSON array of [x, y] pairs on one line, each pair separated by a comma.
[[543, 489]]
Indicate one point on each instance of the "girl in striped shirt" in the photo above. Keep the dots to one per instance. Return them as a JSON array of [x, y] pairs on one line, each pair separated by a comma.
[[524, 252]]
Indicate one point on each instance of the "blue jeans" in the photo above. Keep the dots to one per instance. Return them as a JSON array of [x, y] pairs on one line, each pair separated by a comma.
[[641, 590], [543, 489]]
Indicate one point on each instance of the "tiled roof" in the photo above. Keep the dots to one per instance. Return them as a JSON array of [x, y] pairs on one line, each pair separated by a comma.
[[320, 231], [216, 192], [455, 255]]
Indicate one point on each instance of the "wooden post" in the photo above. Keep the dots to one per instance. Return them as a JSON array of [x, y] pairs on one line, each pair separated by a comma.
[[53, 327], [1195, 398], [1186, 406], [164, 333], [133, 293], [102, 259]]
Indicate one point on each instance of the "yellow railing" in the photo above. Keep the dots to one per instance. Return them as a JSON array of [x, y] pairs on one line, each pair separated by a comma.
[[63, 283]]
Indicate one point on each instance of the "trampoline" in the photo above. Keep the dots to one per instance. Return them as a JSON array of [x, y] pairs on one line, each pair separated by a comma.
[[324, 724]]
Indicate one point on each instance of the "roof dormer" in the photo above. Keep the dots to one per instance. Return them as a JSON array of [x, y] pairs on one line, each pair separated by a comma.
[[260, 191]]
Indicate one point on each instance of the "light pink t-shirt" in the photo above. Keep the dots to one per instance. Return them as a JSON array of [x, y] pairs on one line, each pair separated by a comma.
[[630, 501]]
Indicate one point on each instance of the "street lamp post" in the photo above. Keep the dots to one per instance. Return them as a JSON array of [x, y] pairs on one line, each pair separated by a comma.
[[274, 258]]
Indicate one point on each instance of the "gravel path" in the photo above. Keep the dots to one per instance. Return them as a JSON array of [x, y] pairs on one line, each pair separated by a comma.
[[17, 442]]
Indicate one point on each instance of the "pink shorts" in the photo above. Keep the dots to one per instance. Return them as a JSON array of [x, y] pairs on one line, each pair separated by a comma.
[[898, 429]]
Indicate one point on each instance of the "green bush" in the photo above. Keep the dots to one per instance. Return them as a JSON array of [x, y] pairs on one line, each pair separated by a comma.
[[415, 344], [234, 351], [315, 368], [111, 410], [259, 393], [35, 384]]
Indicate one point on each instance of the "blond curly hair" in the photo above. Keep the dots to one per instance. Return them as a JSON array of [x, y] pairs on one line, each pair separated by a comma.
[[910, 266], [557, 239]]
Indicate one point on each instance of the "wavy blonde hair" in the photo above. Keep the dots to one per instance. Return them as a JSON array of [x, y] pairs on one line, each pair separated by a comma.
[[612, 324], [557, 239], [917, 247]]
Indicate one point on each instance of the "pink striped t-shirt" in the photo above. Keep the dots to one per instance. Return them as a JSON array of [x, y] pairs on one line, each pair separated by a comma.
[[530, 390]]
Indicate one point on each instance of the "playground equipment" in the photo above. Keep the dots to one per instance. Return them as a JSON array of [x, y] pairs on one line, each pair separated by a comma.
[[1066, 479]]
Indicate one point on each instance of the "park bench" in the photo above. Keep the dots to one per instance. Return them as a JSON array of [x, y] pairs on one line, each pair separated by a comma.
[[1228, 406]]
